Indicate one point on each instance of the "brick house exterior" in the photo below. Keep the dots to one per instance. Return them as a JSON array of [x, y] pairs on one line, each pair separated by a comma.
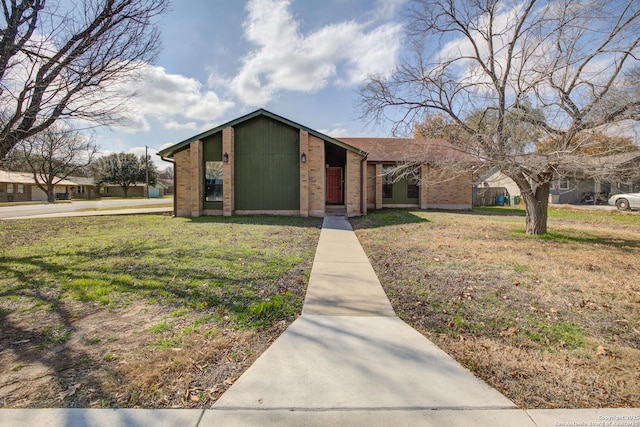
[[262, 163]]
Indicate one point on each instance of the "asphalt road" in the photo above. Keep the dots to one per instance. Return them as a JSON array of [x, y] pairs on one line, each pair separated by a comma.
[[77, 205]]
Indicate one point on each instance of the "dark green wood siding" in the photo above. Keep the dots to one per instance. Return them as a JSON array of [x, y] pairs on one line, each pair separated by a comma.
[[212, 147], [400, 196], [267, 165]]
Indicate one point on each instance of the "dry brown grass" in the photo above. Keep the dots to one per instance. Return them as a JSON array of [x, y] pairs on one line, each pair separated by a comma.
[[552, 322]]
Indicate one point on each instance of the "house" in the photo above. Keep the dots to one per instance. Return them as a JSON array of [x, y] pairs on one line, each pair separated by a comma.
[[490, 185], [582, 179], [596, 178], [135, 190], [85, 188], [262, 163], [22, 187]]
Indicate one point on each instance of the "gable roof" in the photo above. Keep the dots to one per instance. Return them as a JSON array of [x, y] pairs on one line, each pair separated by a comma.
[[408, 150], [170, 151]]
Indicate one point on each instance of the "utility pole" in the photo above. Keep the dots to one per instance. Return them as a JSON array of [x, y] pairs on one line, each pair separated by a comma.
[[146, 169]]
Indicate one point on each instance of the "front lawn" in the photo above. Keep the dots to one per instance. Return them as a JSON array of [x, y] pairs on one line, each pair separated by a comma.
[[143, 311], [550, 321]]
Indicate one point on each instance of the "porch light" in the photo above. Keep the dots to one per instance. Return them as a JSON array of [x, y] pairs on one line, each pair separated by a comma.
[[225, 157], [303, 158]]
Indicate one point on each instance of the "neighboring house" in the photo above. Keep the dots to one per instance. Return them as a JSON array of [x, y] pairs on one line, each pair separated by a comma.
[[167, 184], [85, 188], [489, 185], [135, 190], [597, 178], [262, 163], [22, 187], [588, 179]]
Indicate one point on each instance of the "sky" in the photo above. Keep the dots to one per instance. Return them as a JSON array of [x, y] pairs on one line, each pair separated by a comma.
[[221, 59]]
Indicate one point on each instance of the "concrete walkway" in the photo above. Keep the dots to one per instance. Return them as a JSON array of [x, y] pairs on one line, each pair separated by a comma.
[[348, 360]]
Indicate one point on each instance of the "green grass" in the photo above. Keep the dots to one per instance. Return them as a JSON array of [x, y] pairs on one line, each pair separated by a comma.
[[233, 266], [551, 335], [160, 328]]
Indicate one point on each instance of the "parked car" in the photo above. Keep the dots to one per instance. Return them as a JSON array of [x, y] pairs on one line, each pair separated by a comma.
[[626, 201]]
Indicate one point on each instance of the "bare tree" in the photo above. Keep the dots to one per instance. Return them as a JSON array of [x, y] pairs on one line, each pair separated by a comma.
[[70, 60], [55, 154], [511, 74]]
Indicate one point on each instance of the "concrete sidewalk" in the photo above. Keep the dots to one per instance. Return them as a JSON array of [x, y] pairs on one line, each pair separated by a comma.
[[348, 360]]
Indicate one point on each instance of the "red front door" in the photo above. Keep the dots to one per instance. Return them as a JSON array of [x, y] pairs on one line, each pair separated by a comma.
[[334, 185]]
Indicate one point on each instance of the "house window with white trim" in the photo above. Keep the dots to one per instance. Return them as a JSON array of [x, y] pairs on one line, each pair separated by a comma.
[[10, 188], [20, 188], [82, 189]]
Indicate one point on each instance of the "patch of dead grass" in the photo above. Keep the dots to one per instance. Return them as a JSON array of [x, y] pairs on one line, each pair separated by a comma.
[[551, 322]]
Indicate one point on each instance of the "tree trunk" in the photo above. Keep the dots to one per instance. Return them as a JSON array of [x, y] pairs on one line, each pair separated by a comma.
[[51, 194], [125, 190], [536, 206]]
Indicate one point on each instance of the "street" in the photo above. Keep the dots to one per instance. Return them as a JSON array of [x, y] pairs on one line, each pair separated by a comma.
[[77, 205]]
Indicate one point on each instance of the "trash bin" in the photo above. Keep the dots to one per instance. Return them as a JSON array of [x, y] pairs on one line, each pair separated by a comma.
[[500, 200], [516, 200]]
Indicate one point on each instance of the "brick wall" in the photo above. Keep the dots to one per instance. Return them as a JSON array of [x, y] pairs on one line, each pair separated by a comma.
[[197, 178], [183, 187], [316, 168], [352, 184], [445, 190], [304, 174], [371, 186], [228, 172]]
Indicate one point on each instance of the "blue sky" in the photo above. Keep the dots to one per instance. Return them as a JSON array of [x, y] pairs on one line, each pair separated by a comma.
[[302, 59]]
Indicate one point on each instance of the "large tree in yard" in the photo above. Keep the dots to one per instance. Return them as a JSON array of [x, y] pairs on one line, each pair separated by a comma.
[[70, 60], [510, 75]]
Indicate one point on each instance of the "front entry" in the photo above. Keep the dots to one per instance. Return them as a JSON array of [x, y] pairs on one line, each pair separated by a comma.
[[334, 185]]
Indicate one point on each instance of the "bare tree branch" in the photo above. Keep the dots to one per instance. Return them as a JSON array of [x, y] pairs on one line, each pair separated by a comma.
[[513, 74], [70, 62]]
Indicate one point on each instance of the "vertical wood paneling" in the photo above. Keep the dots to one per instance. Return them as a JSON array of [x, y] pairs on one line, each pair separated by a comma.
[[267, 171]]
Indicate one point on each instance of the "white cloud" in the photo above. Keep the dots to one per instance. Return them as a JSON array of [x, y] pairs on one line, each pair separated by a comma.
[[288, 59], [174, 99], [173, 125], [336, 132]]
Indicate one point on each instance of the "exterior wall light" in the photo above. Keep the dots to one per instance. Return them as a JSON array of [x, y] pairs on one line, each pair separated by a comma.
[[303, 158], [225, 157]]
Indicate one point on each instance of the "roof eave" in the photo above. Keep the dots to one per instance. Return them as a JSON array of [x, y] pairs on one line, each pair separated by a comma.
[[171, 151]]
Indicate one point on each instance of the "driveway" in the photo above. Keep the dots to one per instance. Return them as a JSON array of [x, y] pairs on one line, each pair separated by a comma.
[[7, 212]]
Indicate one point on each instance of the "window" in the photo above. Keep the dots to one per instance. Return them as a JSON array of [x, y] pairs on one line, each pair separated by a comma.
[[9, 188], [213, 182], [563, 184], [413, 190], [20, 188], [387, 182], [82, 189]]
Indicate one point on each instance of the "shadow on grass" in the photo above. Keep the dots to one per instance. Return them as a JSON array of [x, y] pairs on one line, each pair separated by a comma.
[[561, 237], [387, 217], [252, 283], [267, 220], [496, 210]]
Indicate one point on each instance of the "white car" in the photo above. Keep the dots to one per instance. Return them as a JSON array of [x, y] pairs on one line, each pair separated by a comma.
[[625, 201]]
